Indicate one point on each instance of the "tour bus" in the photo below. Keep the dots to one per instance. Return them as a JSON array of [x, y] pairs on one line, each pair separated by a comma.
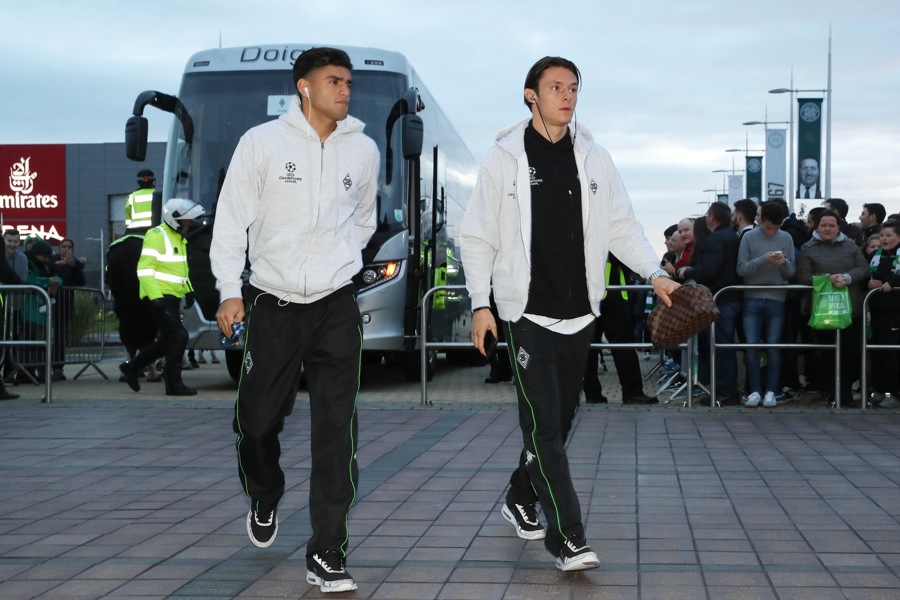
[[422, 195]]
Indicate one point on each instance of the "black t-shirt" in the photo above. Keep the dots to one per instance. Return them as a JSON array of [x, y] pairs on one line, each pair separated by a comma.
[[558, 276]]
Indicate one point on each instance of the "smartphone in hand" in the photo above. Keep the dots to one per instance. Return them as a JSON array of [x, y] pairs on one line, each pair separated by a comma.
[[490, 343]]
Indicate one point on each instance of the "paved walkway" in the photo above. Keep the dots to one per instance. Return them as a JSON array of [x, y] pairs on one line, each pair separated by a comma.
[[111, 494]]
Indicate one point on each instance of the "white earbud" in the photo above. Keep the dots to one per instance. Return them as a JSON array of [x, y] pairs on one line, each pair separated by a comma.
[[306, 89]]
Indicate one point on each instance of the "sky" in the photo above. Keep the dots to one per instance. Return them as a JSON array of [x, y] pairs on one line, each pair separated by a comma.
[[666, 85]]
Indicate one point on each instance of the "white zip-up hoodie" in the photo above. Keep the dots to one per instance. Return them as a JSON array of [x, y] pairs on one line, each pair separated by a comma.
[[496, 232], [306, 208]]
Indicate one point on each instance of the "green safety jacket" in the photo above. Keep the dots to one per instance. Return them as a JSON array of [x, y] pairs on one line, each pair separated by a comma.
[[139, 209], [163, 269]]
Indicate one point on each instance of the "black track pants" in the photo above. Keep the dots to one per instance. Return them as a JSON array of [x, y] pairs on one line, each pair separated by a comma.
[[325, 337], [548, 369]]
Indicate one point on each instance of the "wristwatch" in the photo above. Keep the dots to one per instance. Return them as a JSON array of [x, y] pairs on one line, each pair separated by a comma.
[[655, 274]]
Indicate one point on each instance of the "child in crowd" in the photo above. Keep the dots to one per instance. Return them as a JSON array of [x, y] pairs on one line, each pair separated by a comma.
[[885, 311]]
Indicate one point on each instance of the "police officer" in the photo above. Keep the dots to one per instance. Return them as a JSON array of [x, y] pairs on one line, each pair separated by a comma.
[[163, 275], [139, 205], [137, 327]]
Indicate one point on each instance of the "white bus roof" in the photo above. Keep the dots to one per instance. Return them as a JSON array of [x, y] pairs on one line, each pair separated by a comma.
[[282, 56]]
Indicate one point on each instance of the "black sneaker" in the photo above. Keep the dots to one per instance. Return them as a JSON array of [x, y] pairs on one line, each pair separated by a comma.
[[262, 525], [525, 518], [326, 570], [576, 555]]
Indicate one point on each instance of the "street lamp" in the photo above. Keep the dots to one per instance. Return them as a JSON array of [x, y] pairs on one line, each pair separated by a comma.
[[827, 93]]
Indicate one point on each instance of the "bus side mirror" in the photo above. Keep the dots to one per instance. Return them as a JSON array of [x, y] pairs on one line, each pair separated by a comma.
[[136, 138], [413, 134]]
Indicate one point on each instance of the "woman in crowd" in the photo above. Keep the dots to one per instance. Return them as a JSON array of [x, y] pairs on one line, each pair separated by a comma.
[[833, 253]]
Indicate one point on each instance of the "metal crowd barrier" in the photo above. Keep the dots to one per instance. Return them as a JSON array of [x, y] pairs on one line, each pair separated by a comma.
[[27, 334], [424, 344], [689, 370], [75, 327], [866, 346], [789, 346]]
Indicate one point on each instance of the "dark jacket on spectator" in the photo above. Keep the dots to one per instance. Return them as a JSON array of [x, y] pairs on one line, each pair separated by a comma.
[[715, 266], [818, 257]]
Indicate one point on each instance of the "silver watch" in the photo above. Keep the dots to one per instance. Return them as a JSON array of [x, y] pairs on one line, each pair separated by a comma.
[[655, 274]]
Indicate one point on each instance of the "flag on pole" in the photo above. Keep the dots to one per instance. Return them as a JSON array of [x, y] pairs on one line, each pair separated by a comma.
[[809, 148], [754, 178], [775, 164], [735, 188]]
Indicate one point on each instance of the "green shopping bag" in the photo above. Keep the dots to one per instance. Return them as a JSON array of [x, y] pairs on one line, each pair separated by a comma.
[[830, 305]]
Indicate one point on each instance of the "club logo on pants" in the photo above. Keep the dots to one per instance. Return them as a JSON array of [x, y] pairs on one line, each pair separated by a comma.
[[523, 357], [248, 362]]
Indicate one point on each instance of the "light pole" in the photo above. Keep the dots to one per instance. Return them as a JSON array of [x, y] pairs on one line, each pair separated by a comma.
[[829, 98]]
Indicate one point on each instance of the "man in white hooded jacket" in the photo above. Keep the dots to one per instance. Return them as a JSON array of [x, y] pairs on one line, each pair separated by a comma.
[[300, 191], [547, 208]]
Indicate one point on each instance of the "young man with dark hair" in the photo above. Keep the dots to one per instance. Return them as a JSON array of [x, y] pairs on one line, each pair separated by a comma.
[[547, 208], [870, 220], [305, 244], [765, 257], [839, 205], [744, 217]]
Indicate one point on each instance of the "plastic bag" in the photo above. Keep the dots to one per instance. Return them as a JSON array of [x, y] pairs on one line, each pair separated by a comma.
[[830, 305]]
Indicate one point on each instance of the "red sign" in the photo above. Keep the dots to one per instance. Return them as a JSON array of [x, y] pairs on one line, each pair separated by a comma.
[[33, 189]]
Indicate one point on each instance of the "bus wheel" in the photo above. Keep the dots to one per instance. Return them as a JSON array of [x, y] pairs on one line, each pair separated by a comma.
[[412, 365], [234, 360]]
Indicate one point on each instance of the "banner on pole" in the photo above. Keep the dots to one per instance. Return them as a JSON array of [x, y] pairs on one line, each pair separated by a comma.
[[735, 188], [754, 178], [809, 147], [776, 174]]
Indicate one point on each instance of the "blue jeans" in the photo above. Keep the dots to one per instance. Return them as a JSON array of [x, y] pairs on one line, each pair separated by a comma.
[[726, 358], [763, 320]]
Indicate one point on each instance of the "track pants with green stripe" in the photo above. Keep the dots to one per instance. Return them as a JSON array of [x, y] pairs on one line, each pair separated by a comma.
[[548, 370], [325, 337]]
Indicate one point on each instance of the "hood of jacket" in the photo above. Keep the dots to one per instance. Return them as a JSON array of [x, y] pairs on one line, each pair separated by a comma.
[[296, 119], [840, 238], [512, 139]]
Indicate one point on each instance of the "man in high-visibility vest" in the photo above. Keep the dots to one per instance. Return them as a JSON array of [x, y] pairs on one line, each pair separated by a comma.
[[137, 327], [163, 274], [139, 205], [617, 322]]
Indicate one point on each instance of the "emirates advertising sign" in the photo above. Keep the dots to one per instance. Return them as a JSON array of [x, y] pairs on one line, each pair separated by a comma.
[[33, 190]]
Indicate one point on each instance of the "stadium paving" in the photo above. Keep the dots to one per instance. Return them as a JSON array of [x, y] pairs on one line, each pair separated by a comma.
[[113, 494]]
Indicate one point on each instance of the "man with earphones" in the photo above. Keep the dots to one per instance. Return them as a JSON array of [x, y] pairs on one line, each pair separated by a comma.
[[547, 208], [298, 202]]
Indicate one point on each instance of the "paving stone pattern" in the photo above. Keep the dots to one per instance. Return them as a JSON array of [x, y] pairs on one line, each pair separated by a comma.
[[110, 494]]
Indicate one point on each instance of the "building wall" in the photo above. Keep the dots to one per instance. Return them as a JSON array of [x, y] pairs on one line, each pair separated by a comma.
[[96, 173]]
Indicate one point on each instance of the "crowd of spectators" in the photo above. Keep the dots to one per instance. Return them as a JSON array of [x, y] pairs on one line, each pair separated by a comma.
[[767, 245], [32, 261]]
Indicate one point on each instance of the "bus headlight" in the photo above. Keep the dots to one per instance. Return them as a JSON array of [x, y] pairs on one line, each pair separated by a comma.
[[376, 274]]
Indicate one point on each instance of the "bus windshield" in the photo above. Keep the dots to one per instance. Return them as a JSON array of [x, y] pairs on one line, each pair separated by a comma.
[[224, 105]]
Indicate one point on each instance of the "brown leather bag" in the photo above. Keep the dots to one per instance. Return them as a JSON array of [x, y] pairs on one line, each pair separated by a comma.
[[692, 310]]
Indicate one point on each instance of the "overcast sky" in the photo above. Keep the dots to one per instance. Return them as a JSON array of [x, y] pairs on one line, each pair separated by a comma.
[[666, 85]]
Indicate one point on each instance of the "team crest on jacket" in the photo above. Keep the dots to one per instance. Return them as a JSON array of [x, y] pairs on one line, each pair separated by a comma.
[[289, 170], [593, 186], [348, 183]]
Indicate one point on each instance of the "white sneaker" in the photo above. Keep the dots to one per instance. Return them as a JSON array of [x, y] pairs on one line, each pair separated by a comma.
[[769, 400], [752, 400]]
